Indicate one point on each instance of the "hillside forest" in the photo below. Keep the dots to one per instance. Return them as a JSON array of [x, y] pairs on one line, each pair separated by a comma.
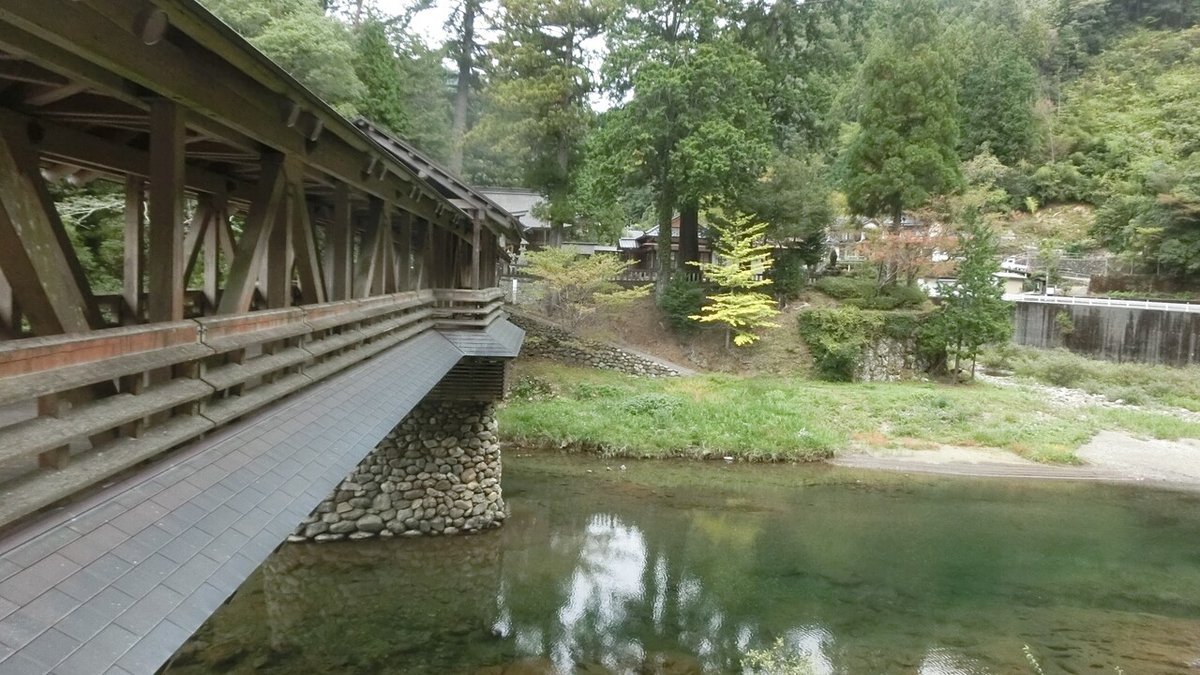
[[1073, 124]]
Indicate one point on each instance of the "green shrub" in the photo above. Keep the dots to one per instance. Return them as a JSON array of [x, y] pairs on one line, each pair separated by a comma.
[[681, 299], [650, 403], [836, 338], [844, 288], [862, 292], [1062, 369], [531, 389]]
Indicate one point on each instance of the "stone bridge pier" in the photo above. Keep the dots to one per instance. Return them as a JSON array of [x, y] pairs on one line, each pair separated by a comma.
[[438, 472]]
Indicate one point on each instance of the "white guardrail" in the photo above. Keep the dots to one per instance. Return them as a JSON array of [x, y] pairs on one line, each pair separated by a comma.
[[1104, 302]]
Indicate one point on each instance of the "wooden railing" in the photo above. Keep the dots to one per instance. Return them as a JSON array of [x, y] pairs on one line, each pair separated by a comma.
[[104, 401]]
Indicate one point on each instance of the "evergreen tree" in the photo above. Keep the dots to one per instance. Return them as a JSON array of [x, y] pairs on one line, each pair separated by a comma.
[[744, 265], [539, 91], [377, 67], [906, 147], [973, 312], [997, 91]]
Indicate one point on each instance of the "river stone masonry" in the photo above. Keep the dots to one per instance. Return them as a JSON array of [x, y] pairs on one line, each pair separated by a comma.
[[547, 341], [437, 472]]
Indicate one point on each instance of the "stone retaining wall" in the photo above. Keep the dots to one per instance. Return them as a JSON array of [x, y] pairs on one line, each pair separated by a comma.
[[544, 340], [437, 472]]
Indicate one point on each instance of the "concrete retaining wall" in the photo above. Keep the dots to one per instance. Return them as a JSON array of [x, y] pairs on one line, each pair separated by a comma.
[[1114, 333]]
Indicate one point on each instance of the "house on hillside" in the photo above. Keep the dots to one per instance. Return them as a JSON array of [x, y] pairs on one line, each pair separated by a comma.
[[640, 247], [522, 203]]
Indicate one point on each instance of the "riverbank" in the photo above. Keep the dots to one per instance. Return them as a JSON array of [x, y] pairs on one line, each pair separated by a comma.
[[769, 418]]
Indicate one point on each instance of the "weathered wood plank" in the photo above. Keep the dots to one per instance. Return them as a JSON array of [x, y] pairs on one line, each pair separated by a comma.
[[37, 264], [308, 258], [368, 254], [340, 240], [135, 251], [164, 261], [251, 248]]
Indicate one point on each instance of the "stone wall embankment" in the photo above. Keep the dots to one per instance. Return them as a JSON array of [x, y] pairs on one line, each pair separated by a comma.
[[438, 472], [547, 341]]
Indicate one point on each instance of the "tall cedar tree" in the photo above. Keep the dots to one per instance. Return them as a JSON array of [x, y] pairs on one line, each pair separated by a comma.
[[744, 265], [694, 127], [539, 87], [466, 49], [906, 148]]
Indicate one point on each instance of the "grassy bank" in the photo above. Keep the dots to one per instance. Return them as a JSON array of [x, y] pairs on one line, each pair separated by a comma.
[[779, 418], [1133, 383]]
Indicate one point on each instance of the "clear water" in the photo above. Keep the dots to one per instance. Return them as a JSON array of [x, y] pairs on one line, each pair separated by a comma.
[[682, 568]]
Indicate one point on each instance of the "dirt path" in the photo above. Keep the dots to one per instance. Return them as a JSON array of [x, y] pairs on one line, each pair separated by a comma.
[[684, 371]]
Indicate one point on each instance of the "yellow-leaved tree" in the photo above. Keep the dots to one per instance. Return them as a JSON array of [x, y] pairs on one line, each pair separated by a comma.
[[743, 261], [571, 287]]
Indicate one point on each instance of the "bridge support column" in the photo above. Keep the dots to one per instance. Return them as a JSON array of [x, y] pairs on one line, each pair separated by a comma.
[[438, 472]]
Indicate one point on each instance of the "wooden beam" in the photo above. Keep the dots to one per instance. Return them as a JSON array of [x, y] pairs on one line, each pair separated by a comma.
[[308, 258], [251, 248], [339, 240], [198, 225], [40, 268], [164, 296], [212, 73], [9, 321], [81, 149], [213, 235], [368, 254], [405, 251], [135, 247]]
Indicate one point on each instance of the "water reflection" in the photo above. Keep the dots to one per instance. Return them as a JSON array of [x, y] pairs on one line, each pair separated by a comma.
[[644, 575]]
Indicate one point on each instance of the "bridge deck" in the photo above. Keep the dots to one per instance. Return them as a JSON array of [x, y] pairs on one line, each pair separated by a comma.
[[119, 581]]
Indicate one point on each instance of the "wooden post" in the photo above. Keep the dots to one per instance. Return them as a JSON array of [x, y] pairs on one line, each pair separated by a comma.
[[164, 298], [340, 242], [55, 458], [432, 278], [476, 242], [279, 254], [135, 250], [405, 252]]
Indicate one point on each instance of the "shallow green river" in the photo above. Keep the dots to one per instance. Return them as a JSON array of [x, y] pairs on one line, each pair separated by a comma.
[[682, 568]]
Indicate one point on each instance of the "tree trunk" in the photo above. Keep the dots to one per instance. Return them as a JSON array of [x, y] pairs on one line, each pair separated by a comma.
[[462, 91], [689, 236], [666, 210]]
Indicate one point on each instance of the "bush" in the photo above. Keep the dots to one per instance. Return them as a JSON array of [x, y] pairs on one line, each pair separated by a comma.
[[531, 389], [650, 403], [844, 288], [681, 299], [836, 338], [1062, 369], [862, 292]]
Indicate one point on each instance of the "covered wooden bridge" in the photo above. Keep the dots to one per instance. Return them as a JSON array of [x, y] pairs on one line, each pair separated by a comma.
[[156, 444]]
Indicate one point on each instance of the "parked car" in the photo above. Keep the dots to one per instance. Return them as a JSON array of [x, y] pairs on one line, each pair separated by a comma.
[[1014, 265]]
